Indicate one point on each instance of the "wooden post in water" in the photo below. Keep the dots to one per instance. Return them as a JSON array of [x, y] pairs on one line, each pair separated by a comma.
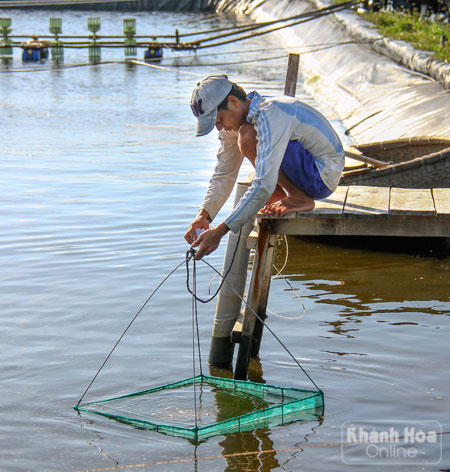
[[258, 293]]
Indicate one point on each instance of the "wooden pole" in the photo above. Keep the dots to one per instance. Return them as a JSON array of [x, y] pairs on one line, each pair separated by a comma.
[[258, 293], [290, 85]]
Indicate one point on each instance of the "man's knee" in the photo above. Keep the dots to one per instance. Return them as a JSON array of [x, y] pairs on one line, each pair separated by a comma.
[[247, 140]]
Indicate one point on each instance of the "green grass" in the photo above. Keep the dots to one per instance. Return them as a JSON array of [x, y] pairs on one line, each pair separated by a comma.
[[420, 33]]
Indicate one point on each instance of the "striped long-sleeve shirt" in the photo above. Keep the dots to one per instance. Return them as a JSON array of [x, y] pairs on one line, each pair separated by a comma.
[[276, 120]]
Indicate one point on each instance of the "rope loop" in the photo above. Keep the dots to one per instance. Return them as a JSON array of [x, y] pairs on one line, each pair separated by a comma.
[[190, 255]]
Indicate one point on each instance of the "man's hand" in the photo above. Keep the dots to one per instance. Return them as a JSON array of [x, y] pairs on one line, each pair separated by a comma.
[[208, 241], [200, 222]]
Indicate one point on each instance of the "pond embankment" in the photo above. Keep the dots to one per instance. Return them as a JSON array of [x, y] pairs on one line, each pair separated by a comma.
[[351, 68]]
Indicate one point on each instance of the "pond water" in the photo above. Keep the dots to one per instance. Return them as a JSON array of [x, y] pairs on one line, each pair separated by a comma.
[[101, 175]]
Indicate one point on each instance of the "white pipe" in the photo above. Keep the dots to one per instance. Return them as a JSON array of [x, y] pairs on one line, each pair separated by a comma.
[[228, 303]]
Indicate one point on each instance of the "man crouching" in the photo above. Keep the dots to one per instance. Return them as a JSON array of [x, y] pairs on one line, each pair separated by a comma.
[[297, 156]]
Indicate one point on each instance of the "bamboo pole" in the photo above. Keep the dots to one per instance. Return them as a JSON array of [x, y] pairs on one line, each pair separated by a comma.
[[367, 159]]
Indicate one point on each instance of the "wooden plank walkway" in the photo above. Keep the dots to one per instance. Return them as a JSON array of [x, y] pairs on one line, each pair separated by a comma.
[[349, 211], [372, 211]]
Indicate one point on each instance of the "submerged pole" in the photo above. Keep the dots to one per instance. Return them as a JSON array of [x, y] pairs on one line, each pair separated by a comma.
[[229, 303]]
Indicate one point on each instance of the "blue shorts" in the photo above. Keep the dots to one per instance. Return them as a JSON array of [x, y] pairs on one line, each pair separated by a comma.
[[300, 167]]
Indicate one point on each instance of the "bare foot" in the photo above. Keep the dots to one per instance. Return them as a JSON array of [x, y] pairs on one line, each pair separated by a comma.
[[278, 195], [288, 205], [269, 207]]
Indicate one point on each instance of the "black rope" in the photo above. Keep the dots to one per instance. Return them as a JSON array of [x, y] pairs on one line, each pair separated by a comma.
[[127, 328], [190, 256], [195, 308], [193, 349], [259, 59], [265, 324], [253, 26], [195, 330], [191, 253], [199, 44], [302, 18]]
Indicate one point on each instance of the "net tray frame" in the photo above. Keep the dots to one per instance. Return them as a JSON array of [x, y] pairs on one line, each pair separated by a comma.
[[294, 402]]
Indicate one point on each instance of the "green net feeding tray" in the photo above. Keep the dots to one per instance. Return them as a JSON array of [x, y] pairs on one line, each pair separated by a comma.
[[222, 406]]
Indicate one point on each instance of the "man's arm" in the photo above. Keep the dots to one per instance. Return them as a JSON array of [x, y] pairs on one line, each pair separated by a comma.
[[220, 186], [229, 161]]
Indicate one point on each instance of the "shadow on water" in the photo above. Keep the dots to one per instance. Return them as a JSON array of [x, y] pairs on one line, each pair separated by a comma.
[[255, 450], [364, 268], [250, 449], [438, 248], [391, 277]]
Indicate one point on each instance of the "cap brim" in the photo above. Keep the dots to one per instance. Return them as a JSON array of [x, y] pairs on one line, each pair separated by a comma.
[[206, 123]]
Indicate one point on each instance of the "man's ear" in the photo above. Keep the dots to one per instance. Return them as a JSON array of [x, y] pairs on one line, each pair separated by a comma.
[[233, 102]]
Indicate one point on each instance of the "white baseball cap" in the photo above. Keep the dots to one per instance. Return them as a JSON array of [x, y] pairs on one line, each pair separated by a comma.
[[209, 93]]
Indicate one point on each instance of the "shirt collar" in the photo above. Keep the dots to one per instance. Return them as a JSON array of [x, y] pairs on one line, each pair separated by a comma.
[[256, 99]]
